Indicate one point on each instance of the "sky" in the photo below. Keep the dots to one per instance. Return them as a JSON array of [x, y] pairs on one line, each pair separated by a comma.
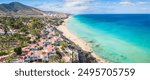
[[89, 6]]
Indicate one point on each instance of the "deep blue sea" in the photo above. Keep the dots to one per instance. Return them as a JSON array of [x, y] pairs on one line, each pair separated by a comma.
[[115, 37]]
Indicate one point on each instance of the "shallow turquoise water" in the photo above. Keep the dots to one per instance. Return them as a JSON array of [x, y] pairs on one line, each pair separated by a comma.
[[117, 38]]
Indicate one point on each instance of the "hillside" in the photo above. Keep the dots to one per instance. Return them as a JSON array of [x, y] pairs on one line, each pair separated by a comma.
[[16, 8]]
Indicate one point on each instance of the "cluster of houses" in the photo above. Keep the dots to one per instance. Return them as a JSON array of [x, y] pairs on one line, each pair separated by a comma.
[[44, 49], [55, 14]]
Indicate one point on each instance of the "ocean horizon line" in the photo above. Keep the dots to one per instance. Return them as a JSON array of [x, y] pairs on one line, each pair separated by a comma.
[[111, 13]]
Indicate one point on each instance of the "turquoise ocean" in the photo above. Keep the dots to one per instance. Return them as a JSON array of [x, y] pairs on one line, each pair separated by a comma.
[[122, 38]]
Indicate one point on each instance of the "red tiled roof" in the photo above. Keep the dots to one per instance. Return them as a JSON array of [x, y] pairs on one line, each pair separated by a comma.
[[49, 48]]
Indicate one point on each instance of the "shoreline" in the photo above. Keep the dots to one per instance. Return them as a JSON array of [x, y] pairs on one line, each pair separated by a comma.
[[78, 41]]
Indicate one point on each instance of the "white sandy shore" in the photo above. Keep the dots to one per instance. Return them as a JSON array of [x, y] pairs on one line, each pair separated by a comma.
[[83, 44]]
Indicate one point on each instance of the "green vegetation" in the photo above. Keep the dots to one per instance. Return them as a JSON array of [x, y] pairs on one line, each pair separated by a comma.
[[3, 53], [55, 59], [57, 33], [18, 50], [63, 44], [17, 30], [55, 21], [8, 59]]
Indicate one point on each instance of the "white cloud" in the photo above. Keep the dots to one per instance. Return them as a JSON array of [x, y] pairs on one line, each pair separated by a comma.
[[76, 6], [141, 2], [95, 6], [43, 6], [69, 6], [126, 3]]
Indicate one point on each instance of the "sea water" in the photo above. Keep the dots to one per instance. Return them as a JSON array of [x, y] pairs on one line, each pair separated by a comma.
[[115, 37]]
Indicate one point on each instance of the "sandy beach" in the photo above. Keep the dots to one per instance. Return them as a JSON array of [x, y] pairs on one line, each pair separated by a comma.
[[78, 41]]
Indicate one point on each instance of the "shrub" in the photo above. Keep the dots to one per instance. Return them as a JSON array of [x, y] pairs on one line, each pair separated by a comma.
[[63, 44], [3, 53], [18, 50], [57, 33]]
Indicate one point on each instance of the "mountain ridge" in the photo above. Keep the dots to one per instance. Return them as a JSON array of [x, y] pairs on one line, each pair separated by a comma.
[[16, 8], [19, 9]]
